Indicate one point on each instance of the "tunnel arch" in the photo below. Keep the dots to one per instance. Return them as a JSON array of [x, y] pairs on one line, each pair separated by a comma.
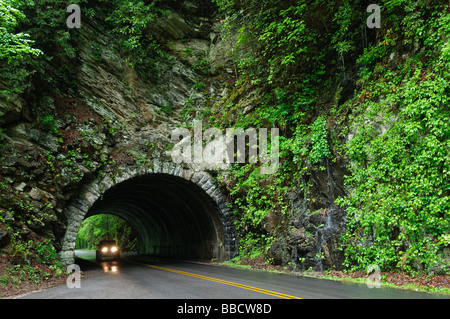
[[176, 211]]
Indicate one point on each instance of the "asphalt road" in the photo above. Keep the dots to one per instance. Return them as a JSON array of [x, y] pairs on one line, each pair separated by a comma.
[[143, 278]]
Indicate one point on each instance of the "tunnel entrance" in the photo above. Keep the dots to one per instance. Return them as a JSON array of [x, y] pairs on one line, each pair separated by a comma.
[[180, 215], [172, 217]]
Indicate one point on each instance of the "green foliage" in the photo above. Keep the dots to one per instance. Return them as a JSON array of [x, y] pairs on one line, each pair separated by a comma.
[[320, 149], [27, 258], [281, 46], [13, 46], [398, 210], [55, 55], [131, 21], [45, 252], [106, 226], [15, 50], [20, 63], [49, 124], [256, 201]]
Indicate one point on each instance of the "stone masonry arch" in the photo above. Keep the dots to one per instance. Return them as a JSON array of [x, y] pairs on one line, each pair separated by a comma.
[[177, 211]]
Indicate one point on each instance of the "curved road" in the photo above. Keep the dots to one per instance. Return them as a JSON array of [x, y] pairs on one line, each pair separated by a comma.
[[141, 278]]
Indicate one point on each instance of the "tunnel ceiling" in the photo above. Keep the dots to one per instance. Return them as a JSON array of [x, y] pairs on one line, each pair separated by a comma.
[[172, 216]]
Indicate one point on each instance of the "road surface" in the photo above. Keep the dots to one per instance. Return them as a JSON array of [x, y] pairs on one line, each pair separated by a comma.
[[144, 277]]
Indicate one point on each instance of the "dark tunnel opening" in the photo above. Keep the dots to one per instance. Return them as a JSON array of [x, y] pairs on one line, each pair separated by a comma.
[[172, 217]]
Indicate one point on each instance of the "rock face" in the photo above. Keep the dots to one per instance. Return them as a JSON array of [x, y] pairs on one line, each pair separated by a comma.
[[53, 144], [315, 225]]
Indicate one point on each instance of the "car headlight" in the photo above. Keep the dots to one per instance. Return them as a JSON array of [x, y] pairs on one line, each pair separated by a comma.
[[114, 249], [104, 249]]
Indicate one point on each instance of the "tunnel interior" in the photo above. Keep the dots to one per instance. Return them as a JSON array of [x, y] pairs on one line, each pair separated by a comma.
[[172, 217]]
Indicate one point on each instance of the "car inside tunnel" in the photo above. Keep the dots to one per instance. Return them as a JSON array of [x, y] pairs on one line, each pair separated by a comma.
[[172, 217]]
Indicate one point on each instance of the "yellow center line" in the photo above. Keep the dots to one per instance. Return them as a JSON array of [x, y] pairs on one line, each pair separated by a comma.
[[229, 283]]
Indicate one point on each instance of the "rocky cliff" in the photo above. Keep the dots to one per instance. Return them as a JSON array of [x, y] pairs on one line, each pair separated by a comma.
[[57, 139]]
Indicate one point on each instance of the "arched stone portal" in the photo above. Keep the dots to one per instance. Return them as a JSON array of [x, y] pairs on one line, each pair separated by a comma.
[[176, 212]]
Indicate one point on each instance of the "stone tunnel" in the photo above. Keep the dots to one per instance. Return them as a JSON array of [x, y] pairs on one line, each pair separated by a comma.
[[176, 212]]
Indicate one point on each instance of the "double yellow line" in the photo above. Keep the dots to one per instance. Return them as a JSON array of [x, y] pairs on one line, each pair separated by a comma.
[[229, 283]]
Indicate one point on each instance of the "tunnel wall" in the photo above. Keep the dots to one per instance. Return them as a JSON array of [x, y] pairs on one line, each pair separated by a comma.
[[214, 232]]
